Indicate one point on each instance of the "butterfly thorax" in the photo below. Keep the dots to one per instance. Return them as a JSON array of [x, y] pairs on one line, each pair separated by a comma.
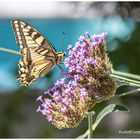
[[60, 55]]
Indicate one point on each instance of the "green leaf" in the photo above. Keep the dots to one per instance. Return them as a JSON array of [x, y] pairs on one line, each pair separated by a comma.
[[108, 109]]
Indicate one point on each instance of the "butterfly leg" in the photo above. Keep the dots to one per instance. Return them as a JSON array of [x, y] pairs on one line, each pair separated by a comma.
[[60, 68], [61, 63]]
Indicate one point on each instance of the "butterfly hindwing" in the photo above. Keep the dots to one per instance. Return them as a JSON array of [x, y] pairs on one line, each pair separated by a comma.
[[38, 54], [32, 66]]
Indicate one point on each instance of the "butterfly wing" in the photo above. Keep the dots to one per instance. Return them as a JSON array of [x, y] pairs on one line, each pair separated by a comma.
[[27, 36], [33, 66], [39, 56]]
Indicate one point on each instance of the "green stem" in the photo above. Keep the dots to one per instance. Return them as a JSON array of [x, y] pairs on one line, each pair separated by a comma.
[[10, 51], [121, 95], [127, 75], [90, 122], [127, 93], [127, 81], [89, 132]]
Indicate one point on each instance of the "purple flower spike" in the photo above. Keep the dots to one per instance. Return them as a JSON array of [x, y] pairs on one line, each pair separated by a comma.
[[87, 70], [83, 92], [64, 109], [69, 47], [94, 62], [39, 109], [81, 38], [60, 82], [39, 98], [86, 33]]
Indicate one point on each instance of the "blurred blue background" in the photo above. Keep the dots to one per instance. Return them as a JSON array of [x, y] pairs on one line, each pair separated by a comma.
[[121, 21]]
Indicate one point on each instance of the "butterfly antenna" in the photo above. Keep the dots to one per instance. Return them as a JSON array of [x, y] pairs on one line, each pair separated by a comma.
[[63, 37]]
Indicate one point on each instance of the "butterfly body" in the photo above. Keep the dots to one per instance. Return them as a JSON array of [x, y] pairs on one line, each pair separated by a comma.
[[38, 55]]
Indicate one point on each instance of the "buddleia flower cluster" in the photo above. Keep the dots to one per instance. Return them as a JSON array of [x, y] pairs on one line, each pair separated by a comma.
[[86, 81]]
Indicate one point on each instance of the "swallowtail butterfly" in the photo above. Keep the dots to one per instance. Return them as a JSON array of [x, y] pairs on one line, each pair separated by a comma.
[[38, 54]]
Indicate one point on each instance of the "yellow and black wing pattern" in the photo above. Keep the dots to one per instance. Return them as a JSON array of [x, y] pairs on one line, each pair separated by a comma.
[[38, 55]]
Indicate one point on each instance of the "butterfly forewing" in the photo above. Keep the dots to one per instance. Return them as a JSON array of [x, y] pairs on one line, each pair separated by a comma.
[[27, 36], [38, 54]]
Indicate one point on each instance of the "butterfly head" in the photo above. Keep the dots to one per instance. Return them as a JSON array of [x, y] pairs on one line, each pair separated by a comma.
[[60, 55]]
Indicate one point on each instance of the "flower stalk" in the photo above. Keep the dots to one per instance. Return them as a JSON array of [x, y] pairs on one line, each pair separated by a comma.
[[90, 123], [127, 75], [10, 51], [126, 81], [126, 93]]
